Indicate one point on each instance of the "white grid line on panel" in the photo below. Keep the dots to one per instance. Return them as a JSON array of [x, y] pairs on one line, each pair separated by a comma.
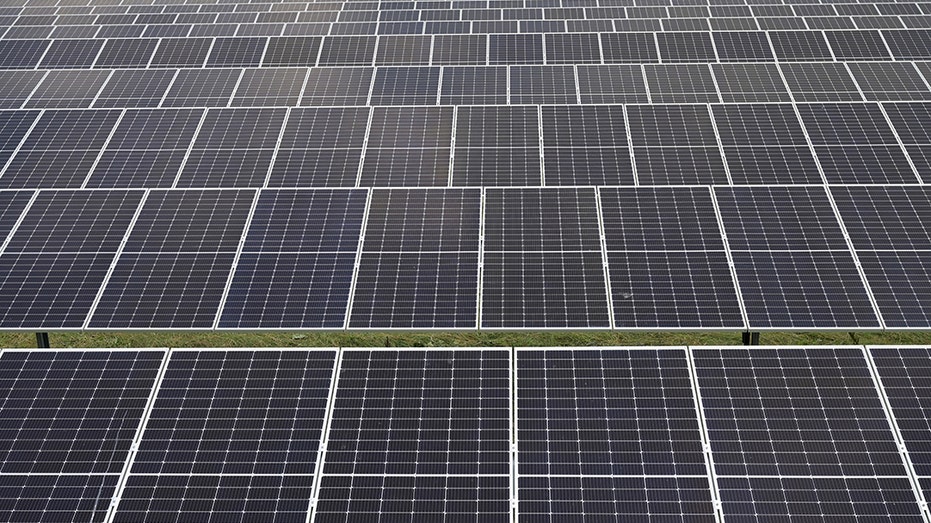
[[772, 51], [481, 262], [22, 140], [604, 258], [300, 95], [512, 420], [717, 60], [830, 47], [274, 158], [19, 221], [365, 138], [717, 139], [646, 87], [856, 259], [898, 139], [268, 40], [171, 84], [882, 38], [325, 434], [148, 64], [918, 71], [102, 87], [213, 43], [106, 143], [897, 434], [488, 55], [358, 261], [51, 42], [439, 85], [705, 437], [601, 51], [242, 243], [575, 76], [36, 88], [116, 258], [99, 52], [730, 257], [187, 153], [659, 55], [630, 147], [540, 145], [137, 439], [242, 74], [432, 50], [452, 145]]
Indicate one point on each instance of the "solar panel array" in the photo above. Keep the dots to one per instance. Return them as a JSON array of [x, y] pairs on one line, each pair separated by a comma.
[[463, 164], [589, 434]]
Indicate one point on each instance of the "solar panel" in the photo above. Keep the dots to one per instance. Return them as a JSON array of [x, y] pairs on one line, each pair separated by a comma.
[[434, 443], [592, 445], [542, 269], [231, 434], [783, 241], [779, 422], [297, 260], [69, 418], [420, 254]]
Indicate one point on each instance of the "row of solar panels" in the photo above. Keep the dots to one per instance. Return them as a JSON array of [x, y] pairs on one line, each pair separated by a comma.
[[552, 48], [626, 258], [287, 12], [434, 18], [596, 20], [467, 85], [658, 434], [844, 143]]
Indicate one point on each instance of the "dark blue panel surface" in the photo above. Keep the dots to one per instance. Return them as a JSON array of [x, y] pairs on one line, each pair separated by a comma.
[[795, 412], [43, 499], [818, 499], [72, 412], [75, 221], [592, 413], [425, 412], [49, 290], [289, 290], [576, 500]]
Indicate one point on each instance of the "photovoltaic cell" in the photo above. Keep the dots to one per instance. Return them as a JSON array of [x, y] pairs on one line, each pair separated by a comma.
[[67, 89], [670, 234], [904, 374], [147, 148], [411, 498], [497, 146]]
